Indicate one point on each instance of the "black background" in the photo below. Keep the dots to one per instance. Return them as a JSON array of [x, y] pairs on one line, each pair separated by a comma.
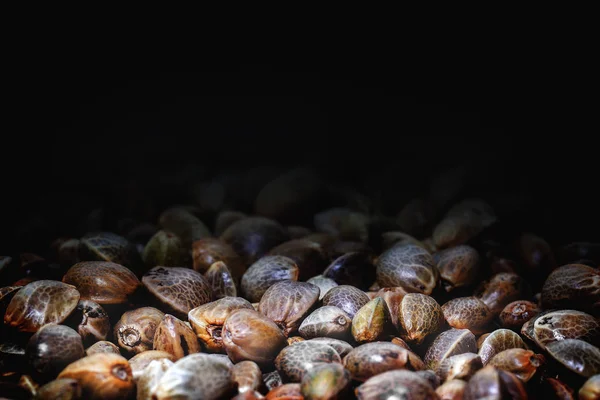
[[96, 125]]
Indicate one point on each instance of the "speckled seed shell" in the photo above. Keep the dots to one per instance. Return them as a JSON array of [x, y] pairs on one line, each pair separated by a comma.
[[467, 313], [326, 321], [458, 266], [106, 246], [324, 284], [501, 289], [398, 384], [142, 360], [310, 257], [102, 376], [208, 319], [419, 315], [295, 360], [340, 346], [499, 340], [102, 282], [461, 366], [451, 390], [272, 380], [60, 389], [523, 363], [287, 302], [408, 266], [147, 382], [527, 328], [287, 391], [515, 314], [247, 376], [52, 348], [266, 272], [577, 355], [372, 322], [207, 251], [175, 337], [448, 344], [197, 376], [566, 324], [490, 382], [178, 289], [573, 281], [348, 298], [39, 303], [253, 237], [134, 332], [220, 281], [164, 248], [95, 322], [325, 381], [590, 389], [249, 335], [102, 346], [393, 298], [371, 359]]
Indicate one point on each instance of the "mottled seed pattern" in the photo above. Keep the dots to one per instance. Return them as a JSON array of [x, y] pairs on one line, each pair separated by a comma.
[[295, 360], [247, 376], [323, 283], [419, 315], [497, 341], [577, 355], [54, 347], [461, 366], [408, 266], [447, 344], [573, 281], [348, 298], [326, 321], [458, 266], [266, 272], [371, 359], [467, 313], [287, 302], [221, 281], [517, 313], [399, 384], [566, 324], [523, 363]]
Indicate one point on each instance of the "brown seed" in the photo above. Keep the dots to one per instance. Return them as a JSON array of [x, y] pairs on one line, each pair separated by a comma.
[[502, 289], [60, 389], [197, 376], [554, 389], [400, 342], [326, 321], [249, 335], [166, 249], [462, 222], [208, 251], [295, 360], [566, 324], [175, 337], [208, 319], [467, 313], [142, 360], [93, 322], [135, 330], [287, 391], [397, 384], [39, 303], [523, 363], [253, 237], [110, 247], [178, 289], [590, 389], [338, 345], [393, 298], [371, 359], [287, 302], [576, 355], [515, 314], [490, 382], [461, 366], [147, 382], [102, 282], [499, 340], [272, 380], [447, 344], [266, 272], [348, 298], [452, 390], [573, 281], [102, 346], [419, 316], [408, 266], [247, 376], [101, 376], [52, 348], [458, 266], [310, 257], [220, 281]]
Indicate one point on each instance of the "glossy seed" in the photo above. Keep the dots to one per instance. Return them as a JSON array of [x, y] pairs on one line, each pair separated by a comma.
[[295, 360], [447, 344], [451, 390], [523, 363], [577, 355], [324, 284], [348, 298], [419, 316], [220, 281], [52, 348], [102, 346], [372, 322], [517, 313], [207, 251], [310, 257], [134, 332], [398, 384], [461, 366], [490, 382], [371, 359], [147, 382], [175, 337], [467, 313], [566, 324], [499, 340], [408, 266], [573, 281], [140, 361], [502, 289], [590, 389], [266, 272], [325, 381], [458, 266], [326, 321], [354, 268], [287, 302], [60, 389], [247, 376], [340, 346], [166, 249]]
